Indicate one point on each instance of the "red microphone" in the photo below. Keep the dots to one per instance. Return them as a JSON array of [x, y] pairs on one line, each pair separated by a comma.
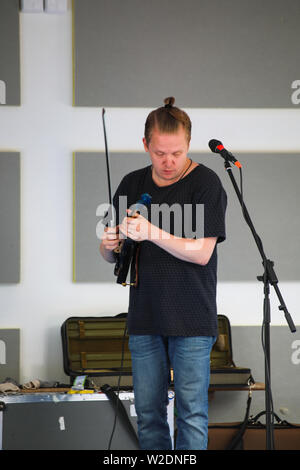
[[217, 147]]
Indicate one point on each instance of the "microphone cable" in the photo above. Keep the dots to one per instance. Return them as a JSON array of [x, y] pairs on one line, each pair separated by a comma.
[[118, 385], [113, 395]]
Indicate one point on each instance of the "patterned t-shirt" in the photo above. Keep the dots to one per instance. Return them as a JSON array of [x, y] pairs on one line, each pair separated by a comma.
[[175, 297]]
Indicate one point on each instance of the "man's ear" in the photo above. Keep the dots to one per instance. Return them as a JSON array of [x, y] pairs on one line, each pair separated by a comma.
[[145, 145]]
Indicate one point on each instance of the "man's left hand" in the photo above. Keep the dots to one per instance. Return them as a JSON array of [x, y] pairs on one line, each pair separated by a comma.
[[137, 228]]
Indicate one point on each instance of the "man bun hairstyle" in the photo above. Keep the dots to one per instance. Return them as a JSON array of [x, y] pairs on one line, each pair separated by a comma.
[[167, 119], [169, 102]]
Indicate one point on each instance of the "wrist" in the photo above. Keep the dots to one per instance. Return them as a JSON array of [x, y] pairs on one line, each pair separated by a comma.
[[108, 254]]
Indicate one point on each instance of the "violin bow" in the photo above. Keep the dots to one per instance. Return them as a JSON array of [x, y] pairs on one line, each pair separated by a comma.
[[107, 157]]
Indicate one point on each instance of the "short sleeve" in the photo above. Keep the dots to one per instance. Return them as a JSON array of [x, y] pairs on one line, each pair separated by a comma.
[[122, 190], [127, 193], [214, 199]]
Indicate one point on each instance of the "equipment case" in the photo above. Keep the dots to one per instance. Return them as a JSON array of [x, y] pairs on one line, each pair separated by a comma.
[[62, 421], [98, 347], [251, 435], [223, 371]]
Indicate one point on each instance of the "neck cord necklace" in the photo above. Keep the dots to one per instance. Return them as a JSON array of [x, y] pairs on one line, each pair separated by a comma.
[[185, 171], [191, 161]]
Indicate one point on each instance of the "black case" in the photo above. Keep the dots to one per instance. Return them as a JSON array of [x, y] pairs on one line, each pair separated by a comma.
[[94, 346], [251, 435]]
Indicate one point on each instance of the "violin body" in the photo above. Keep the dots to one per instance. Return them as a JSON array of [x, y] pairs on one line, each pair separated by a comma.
[[125, 255], [128, 250]]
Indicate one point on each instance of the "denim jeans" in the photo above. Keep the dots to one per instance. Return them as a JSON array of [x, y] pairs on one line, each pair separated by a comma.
[[152, 356]]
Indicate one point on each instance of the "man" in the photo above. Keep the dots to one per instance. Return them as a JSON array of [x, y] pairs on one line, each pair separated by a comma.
[[172, 315]]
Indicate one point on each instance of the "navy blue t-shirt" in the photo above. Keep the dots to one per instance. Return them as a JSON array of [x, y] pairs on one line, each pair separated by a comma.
[[175, 297]]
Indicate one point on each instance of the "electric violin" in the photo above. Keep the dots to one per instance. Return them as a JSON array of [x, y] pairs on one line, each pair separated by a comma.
[[127, 252]]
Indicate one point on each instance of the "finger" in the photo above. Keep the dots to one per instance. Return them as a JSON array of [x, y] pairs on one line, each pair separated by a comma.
[[109, 236], [133, 221], [112, 236], [105, 235], [132, 227], [123, 228], [112, 229], [111, 247]]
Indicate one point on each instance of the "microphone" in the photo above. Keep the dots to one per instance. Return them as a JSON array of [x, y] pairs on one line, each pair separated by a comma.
[[143, 202], [217, 147]]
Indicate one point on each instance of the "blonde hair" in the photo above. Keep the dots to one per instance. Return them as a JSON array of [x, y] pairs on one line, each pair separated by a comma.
[[167, 119]]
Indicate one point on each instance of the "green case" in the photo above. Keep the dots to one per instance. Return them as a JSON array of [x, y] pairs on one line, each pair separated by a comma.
[[94, 346], [223, 371]]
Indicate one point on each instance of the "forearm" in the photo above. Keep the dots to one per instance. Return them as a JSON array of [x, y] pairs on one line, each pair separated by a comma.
[[196, 251]]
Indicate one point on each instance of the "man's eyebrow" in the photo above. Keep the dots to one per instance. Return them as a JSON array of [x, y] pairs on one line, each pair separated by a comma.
[[162, 151]]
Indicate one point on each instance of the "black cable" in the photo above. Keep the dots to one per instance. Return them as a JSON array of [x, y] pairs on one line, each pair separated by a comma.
[[118, 386]]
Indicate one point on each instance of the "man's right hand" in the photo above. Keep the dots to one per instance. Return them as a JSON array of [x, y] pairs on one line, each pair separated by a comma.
[[110, 241]]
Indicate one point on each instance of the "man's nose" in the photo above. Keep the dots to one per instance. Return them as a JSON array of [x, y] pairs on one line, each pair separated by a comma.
[[168, 161]]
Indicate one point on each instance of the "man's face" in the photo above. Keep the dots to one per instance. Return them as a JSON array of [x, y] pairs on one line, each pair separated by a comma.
[[168, 153]]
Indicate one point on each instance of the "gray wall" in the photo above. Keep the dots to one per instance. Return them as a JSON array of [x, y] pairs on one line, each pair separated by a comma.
[[208, 53], [91, 190], [9, 53], [9, 354], [9, 217], [271, 194]]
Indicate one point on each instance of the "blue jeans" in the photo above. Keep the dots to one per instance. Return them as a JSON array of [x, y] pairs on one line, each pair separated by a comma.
[[152, 357]]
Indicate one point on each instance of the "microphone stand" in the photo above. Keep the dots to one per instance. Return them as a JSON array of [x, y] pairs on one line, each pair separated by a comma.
[[268, 277]]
